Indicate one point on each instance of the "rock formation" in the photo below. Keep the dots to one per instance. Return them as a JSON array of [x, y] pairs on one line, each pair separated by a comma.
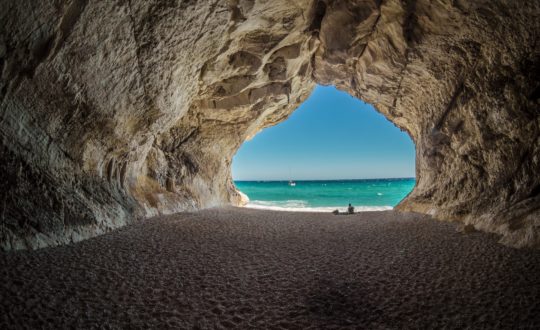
[[113, 111]]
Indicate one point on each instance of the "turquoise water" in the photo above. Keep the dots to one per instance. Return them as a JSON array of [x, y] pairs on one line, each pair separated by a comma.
[[364, 195]]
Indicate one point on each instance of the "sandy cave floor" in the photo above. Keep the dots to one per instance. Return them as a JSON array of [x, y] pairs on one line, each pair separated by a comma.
[[252, 269]]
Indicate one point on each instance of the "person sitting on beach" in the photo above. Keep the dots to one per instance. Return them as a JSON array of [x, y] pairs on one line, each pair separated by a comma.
[[350, 209]]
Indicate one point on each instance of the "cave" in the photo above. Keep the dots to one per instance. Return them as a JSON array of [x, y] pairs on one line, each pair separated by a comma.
[[119, 121], [113, 112]]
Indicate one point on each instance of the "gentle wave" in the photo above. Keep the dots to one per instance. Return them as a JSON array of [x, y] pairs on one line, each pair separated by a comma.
[[301, 206], [324, 196]]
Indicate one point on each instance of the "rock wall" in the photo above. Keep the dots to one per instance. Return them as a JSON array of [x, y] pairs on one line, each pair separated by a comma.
[[113, 111]]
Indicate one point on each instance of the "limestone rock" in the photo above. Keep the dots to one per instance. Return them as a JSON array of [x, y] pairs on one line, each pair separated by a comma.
[[113, 111], [466, 229]]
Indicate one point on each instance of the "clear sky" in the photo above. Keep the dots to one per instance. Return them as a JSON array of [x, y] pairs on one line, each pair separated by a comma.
[[332, 135]]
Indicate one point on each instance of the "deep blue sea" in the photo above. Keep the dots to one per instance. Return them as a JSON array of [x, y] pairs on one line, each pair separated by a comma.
[[324, 196]]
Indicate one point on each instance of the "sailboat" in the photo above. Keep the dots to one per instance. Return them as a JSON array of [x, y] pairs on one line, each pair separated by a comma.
[[291, 182]]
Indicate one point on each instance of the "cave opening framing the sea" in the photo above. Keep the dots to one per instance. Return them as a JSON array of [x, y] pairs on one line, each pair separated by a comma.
[[331, 151]]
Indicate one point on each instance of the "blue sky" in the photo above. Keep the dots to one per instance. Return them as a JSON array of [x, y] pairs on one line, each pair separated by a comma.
[[332, 135]]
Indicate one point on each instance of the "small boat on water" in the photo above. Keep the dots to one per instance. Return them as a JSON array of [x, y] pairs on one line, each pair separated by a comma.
[[291, 182]]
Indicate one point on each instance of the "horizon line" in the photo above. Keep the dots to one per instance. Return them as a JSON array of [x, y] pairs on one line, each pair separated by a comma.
[[268, 180]]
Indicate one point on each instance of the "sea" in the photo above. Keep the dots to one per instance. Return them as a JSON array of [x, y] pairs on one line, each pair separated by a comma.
[[326, 195]]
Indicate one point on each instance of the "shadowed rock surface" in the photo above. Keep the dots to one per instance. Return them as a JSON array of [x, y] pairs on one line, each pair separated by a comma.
[[113, 111], [252, 269]]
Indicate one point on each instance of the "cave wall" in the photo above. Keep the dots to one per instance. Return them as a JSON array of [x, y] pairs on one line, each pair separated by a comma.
[[114, 111]]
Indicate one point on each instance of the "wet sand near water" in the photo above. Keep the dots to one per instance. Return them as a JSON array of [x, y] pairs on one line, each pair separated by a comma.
[[238, 268]]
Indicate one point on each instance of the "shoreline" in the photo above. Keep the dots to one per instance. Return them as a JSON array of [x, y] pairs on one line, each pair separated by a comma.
[[314, 209]]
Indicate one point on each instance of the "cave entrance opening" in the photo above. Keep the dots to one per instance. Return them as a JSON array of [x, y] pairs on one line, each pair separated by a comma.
[[333, 150]]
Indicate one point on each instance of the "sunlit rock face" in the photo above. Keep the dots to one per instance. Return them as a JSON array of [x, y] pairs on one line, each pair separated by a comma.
[[113, 111]]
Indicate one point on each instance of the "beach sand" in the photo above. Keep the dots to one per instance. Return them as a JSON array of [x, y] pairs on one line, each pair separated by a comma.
[[252, 269]]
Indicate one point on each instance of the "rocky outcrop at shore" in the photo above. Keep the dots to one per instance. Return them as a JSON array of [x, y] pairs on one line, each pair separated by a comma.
[[116, 111]]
